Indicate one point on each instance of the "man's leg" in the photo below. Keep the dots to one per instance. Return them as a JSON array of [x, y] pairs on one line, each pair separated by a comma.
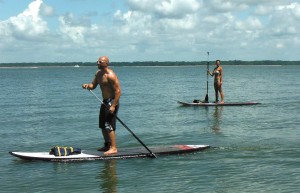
[[113, 145], [107, 142]]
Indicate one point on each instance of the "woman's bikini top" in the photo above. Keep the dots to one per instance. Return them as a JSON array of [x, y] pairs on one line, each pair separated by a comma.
[[217, 72]]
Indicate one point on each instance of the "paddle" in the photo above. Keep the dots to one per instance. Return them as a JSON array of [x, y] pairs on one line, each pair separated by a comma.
[[151, 153], [206, 97]]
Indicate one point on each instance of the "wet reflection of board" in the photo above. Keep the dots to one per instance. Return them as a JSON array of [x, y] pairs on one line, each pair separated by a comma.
[[123, 153], [217, 104]]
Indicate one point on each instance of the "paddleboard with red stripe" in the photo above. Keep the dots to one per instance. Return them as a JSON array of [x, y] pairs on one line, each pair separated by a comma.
[[123, 153]]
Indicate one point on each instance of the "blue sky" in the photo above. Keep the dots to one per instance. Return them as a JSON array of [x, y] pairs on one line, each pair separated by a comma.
[[148, 30]]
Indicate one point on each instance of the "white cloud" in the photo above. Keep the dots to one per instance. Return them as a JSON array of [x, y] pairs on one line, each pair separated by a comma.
[[165, 8], [251, 23], [279, 45], [263, 10], [47, 10], [72, 30], [293, 8], [296, 10], [27, 24], [226, 6]]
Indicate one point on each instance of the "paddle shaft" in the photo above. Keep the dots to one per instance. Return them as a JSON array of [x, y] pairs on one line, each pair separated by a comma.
[[207, 73], [151, 153], [206, 97]]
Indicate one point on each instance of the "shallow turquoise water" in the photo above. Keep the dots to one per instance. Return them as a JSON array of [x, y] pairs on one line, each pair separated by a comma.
[[257, 147]]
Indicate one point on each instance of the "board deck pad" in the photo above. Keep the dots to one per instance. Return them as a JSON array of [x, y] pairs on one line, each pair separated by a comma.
[[217, 104], [123, 153]]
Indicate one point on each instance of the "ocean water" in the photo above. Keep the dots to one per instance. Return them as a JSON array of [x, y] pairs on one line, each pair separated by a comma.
[[256, 148]]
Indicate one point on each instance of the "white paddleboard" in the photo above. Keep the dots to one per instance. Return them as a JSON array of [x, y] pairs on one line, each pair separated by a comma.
[[123, 153]]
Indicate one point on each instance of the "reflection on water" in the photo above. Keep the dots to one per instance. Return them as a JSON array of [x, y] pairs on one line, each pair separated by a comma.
[[108, 177], [217, 119]]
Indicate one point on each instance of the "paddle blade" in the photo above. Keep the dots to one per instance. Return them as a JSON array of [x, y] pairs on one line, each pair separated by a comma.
[[152, 155], [206, 98]]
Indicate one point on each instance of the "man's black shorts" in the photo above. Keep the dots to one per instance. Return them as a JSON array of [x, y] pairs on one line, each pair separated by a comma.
[[106, 119]]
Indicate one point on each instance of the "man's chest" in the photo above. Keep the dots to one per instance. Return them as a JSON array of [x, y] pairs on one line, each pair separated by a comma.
[[103, 80]]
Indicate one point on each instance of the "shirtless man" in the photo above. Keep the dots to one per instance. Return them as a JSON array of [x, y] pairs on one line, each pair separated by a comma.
[[218, 73], [111, 92]]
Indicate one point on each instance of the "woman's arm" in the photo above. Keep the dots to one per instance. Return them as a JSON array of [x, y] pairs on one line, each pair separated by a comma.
[[211, 74]]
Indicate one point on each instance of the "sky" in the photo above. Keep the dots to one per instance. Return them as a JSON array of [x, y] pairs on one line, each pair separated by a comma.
[[149, 30]]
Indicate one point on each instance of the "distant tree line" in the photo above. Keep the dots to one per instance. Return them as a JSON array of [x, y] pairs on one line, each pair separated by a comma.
[[153, 63]]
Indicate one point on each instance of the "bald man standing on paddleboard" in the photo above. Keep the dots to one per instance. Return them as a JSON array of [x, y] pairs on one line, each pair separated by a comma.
[[111, 92]]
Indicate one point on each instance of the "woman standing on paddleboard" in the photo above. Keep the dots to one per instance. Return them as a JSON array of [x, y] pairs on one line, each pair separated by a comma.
[[218, 73]]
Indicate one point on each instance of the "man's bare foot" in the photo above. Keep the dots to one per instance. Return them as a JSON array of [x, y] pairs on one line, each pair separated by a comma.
[[222, 102], [111, 151]]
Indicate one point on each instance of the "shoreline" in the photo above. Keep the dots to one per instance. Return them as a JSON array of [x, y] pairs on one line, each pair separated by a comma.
[[148, 64]]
